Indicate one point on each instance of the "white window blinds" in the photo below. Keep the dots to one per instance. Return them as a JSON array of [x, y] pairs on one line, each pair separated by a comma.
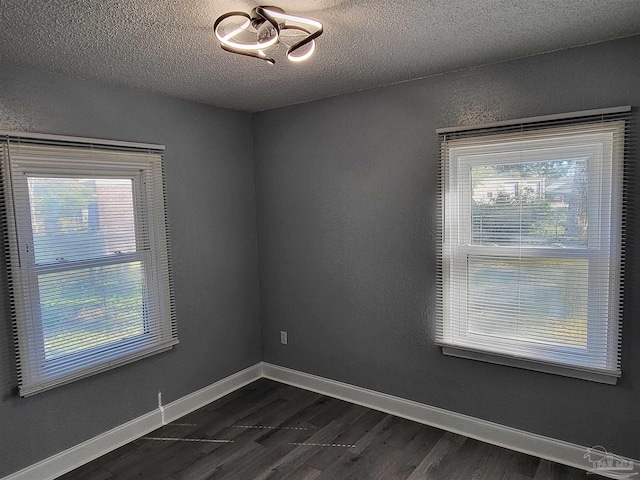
[[88, 249], [531, 242]]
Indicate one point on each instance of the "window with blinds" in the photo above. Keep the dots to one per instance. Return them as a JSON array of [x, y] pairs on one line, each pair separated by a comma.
[[88, 257], [531, 243]]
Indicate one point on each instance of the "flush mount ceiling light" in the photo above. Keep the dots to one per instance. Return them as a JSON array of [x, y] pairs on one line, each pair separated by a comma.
[[252, 33]]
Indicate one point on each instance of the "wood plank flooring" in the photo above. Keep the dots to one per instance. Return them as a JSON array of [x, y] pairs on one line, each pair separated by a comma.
[[271, 431]]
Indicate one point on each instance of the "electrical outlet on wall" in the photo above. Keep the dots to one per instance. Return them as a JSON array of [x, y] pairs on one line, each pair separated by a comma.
[[283, 337]]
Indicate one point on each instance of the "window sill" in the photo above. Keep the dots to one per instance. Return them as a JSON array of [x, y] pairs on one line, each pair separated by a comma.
[[48, 384], [530, 365]]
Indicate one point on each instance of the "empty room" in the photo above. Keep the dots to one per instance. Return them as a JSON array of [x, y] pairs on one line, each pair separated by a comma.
[[319, 240]]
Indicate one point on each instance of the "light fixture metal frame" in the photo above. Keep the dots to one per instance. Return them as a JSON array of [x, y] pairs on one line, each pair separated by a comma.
[[269, 21]]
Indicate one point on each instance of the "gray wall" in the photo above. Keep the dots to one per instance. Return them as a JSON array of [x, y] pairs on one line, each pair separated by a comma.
[[210, 195], [345, 192]]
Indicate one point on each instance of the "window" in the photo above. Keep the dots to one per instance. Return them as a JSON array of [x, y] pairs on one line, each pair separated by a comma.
[[89, 257], [530, 253]]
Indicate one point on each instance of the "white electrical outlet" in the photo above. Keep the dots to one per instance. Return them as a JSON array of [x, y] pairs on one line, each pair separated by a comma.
[[283, 337]]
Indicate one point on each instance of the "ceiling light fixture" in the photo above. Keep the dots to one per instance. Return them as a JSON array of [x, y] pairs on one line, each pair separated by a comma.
[[251, 33]]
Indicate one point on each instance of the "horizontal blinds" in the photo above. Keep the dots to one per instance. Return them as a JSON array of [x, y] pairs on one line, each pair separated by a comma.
[[90, 271], [531, 239]]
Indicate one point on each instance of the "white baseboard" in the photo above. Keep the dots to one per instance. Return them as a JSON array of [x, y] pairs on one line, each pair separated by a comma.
[[489, 432], [93, 448]]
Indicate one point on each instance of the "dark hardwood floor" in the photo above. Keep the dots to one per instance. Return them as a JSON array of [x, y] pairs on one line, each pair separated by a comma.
[[268, 430]]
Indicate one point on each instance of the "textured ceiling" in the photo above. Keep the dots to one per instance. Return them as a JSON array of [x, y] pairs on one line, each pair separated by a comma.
[[168, 46]]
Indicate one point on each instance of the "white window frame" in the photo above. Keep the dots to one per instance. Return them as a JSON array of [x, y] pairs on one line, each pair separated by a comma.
[[86, 158], [595, 142]]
